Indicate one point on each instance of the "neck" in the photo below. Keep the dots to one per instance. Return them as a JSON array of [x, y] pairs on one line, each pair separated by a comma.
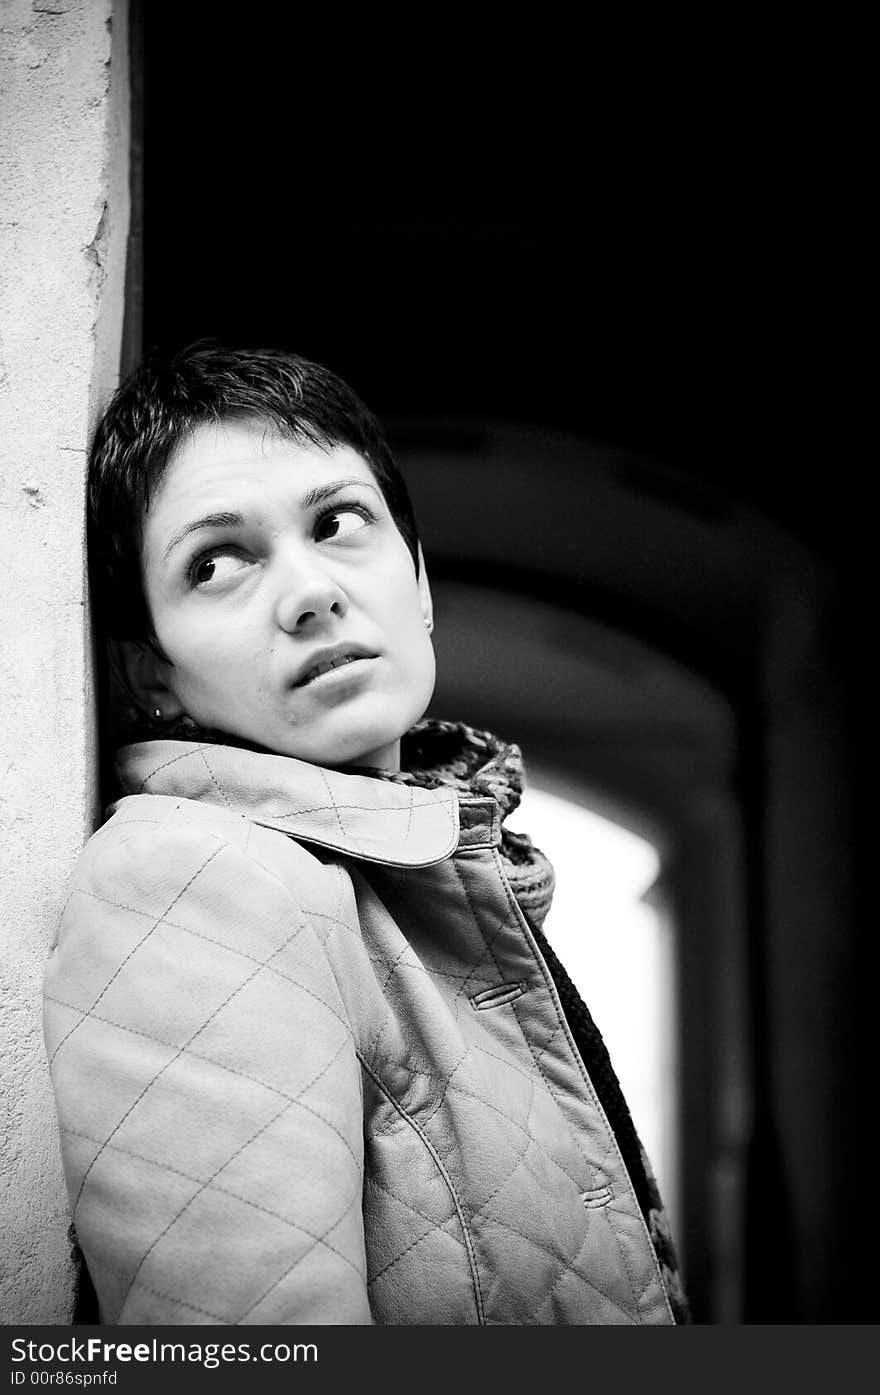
[[385, 758]]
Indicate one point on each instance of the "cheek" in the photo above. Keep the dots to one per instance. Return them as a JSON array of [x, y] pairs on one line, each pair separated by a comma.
[[429, 671], [421, 665], [402, 601], [209, 661]]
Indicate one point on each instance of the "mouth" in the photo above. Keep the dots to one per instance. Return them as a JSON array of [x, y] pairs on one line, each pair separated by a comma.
[[326, 661]]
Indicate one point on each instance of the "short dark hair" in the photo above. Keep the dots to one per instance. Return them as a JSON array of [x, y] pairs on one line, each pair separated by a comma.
[[170, 396]]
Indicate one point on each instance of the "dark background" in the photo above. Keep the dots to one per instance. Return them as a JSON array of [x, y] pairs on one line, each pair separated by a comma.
[[633, 242]]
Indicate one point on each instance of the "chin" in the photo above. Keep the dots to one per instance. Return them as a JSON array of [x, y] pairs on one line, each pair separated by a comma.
[[355, 734], [350, 747], [370, 752], [368, 741]]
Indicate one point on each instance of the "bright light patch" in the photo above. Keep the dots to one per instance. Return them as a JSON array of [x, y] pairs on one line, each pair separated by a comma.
[[618, 951]]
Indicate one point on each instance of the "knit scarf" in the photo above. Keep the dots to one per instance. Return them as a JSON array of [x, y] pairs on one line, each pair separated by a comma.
[[478, 763]]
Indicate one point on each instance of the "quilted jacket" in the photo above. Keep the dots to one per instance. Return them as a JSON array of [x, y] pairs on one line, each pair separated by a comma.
[[310, 1065]]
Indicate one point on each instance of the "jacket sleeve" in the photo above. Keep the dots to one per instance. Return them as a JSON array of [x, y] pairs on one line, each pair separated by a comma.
[[207, 1087]]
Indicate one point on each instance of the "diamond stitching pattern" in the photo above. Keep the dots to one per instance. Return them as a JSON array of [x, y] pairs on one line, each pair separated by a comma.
[[254, 966], [355, 1201], [208, 939], [227, 1191], [174, 1058], [516, 1014], [395, 799], [156, 922], [222, 1168], [482, 963], [537, 1053], [213, 778], [408, 1205], [448, 1180]]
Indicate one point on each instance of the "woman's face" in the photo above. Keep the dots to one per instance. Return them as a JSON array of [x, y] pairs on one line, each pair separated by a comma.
[[285, 598]]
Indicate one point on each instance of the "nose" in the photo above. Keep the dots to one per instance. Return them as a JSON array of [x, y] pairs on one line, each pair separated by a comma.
[[308, 597]]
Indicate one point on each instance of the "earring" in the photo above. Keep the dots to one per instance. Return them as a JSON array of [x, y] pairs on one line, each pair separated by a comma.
[[157, 713], [429, 624]]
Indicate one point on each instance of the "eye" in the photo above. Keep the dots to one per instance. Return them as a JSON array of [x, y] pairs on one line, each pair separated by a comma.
[[339, 522], [215, 568]]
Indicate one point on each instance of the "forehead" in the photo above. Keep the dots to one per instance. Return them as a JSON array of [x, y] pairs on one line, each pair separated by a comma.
[[248, 459]]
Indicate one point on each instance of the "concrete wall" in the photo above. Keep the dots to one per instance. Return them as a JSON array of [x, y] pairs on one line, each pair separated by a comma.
[[63, 227]]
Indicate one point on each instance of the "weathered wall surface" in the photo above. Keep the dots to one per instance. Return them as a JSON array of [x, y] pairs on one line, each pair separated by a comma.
[[63, 226]]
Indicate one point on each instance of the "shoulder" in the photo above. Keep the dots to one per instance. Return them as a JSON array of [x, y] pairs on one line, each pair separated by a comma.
[[164, 835], [177, 860], [173, 908]]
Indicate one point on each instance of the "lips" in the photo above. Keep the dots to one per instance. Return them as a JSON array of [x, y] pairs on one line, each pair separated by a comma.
[[323, 660]]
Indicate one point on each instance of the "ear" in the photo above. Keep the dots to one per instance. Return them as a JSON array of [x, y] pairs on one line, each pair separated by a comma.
[[147, 677], [425, 593]]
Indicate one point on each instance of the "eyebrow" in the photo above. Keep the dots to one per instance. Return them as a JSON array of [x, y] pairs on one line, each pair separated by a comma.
[[208, 520], [326, 491], [236, 520]]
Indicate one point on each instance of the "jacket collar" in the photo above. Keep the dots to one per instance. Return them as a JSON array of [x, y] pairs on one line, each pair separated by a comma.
[[402, 824]]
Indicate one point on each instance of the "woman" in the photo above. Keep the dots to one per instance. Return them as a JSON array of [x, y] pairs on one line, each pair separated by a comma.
[[313, 1058]]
